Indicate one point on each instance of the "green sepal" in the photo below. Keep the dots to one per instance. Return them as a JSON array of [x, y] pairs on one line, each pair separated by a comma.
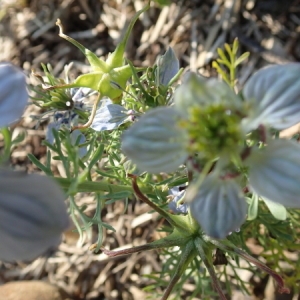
[[187, 255], [91, 80], [96, 63], [253, 207], [185, 224], [116, 59]]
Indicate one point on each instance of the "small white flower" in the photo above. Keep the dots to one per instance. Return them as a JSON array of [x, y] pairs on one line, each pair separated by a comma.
[[219, 206], [32, 215], [13, 94]]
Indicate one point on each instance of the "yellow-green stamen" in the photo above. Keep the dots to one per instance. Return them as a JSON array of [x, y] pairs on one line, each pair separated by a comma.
[[213, 130]]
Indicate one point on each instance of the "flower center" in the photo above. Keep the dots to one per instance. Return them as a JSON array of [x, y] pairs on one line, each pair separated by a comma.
[[213, 130]]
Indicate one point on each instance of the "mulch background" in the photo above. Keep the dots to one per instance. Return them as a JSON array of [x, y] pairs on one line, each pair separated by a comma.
[[269, 29]]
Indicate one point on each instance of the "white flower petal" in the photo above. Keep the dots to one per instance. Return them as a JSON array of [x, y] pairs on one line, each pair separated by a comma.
[[274, 97], [155, 143], [199, 91], [32, 215], [219, 207], [274, 172], [13, 96]]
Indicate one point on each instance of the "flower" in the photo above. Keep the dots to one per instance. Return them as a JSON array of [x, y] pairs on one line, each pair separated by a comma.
[[32, 215], [13, 96], [273, 96], [176, 195], [66, 119], [226, 136]]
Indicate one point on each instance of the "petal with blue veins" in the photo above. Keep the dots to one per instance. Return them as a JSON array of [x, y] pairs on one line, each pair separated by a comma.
[[155, 143], [109, 116], [33, 215], [273, 96], [219, 206], [274, 172]]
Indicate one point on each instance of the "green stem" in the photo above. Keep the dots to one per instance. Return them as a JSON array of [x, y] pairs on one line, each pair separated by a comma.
[[210, 268], [116, 58], [7, 136], [91, 57], [99, 186], [171, 240], [186, 257], [227, 246], [176, 221]]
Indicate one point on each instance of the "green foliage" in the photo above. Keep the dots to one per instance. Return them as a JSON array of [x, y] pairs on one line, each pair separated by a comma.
[[163, 2], [229, 60]]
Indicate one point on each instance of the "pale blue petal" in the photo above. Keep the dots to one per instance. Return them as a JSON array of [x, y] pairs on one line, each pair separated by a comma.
[[219, 206], [155, 143], [77, 135], [49, 134], [202, 92], [79, 94], [173, 205], [32, 215], [13, 95], [274, 172], [273, 94], [168, 67], [109, 116]]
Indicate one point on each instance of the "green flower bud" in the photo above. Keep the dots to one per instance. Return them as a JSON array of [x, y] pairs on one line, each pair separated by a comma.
[[106, 75]]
